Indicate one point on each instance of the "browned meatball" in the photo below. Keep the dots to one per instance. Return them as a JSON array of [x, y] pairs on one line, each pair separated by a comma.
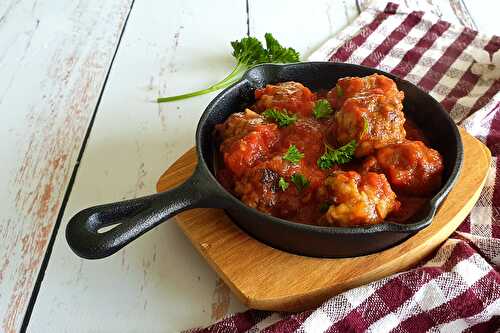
[[348, 87], [239, 124], [411, 167], [358, 199], [247, 138], [291, 96], [374, 121], [258, 187]]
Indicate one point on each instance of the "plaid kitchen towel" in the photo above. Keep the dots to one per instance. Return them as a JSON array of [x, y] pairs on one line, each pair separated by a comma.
[[458, 289]]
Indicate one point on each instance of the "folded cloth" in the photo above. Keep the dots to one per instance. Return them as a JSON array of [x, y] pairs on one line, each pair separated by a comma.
[[458, 289]]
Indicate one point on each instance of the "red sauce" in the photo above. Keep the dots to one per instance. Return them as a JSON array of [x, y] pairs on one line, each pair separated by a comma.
[[364, 191]]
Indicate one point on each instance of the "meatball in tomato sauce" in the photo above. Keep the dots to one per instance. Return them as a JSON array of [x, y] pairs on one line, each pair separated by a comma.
[[374, 121], [357, 199], [290, 96], [353, 86], [370, 112], [308, 135], [340, 158], [411, 167], [259, 187], [246, 139]]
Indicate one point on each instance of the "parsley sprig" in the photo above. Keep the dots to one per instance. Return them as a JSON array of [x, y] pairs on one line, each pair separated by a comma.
[[293, 155], [283, 184], [365, 127], [300, 181], [281, 117], [323, 208], [248, 52], [341, 155], [339, 90], [322, 109]]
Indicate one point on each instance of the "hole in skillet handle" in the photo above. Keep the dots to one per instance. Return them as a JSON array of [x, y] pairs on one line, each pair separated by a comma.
[[100, 231]]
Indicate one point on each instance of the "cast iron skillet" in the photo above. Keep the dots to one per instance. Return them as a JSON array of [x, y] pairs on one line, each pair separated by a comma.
[[134, 217]]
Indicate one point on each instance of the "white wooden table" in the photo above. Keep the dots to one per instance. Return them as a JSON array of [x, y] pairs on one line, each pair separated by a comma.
[[78, 127]]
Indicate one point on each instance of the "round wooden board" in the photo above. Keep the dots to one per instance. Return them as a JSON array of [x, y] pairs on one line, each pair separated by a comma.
[[270, 279]]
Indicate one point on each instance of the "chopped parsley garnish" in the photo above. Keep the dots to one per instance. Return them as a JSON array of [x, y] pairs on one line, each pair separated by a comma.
[[323, 208], [248, 52], [339, 90], [322, 109], [341, 155], [280, 117], [365, 127], [300, 181], [283, 184], [293, 155]]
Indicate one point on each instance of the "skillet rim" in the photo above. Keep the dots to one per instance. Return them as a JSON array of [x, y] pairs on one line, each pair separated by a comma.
[[386, 226]]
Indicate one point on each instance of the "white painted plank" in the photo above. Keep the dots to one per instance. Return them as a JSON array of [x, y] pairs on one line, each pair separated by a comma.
[[485, 15], [54, 56], [454, 11], [159, 282], [300, 24]]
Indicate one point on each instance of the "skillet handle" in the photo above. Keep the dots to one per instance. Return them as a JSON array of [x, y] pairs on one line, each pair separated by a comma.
[[131, 218]]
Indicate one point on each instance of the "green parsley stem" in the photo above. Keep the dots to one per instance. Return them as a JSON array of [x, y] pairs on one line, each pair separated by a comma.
[[227, 81]]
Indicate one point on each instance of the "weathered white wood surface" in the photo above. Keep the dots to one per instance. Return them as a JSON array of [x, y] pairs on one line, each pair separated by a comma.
[[159, 282], [54, 56], [485, 15], [301, 24], [53, 59]]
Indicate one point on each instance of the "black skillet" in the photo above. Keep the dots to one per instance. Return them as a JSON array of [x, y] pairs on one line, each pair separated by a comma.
[[134, 217]]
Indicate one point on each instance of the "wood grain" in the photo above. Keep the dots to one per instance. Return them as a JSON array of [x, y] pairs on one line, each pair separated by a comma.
[[269, 279], [159, 283], [54, 57], [324, 19], [483, 14]]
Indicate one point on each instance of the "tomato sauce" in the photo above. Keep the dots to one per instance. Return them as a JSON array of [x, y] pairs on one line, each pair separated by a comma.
[[271, 154]]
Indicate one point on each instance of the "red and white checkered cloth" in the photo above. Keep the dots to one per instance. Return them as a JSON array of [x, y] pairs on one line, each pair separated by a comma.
[[459, 288]]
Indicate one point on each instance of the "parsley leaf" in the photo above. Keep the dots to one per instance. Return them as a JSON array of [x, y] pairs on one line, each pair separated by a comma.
[[300, 181], [283, 184], [282, 118], [322, 109], [277, 53], [365, 127], [293, 155], [323, 208], [341, 155], [339, 90], [248, 52]]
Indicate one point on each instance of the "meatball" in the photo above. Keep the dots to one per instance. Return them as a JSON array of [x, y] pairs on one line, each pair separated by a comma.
[[246, 139], [259, 187], [374, 121], [239, 124], [308, 135], [374, 84], [357, 199], [411, 167], [292, 96]]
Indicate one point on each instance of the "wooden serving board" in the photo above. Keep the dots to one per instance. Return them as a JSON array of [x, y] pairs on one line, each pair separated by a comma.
[[269, 279]]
